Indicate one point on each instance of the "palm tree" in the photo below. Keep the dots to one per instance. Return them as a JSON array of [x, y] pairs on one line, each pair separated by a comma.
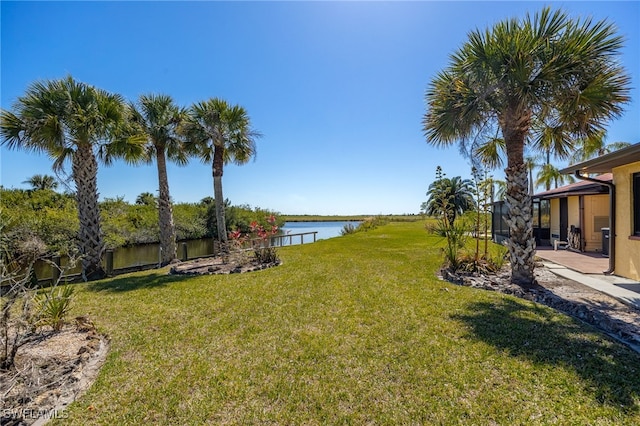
[[71, 120], [595, 146], [219, 133], [450, 198], [493, 188], [40, 182], [531, 163], [550, 174], [547, 69], [146, 199], [160, 120]]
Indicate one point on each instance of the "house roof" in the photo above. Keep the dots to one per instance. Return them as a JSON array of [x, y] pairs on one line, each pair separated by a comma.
[[605, 163], [583, 187]]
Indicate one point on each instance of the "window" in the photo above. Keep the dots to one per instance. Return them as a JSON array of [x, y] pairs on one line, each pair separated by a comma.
[[636, 204]]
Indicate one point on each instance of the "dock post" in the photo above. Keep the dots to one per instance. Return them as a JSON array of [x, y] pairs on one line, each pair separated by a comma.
[[109, 262], [184, 252], [55, 270]]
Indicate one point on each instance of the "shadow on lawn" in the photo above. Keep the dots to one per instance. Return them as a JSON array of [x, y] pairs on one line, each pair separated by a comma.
[[534, 333], [129, 283]]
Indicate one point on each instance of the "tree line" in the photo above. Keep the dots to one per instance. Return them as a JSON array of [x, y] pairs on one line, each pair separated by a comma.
[[79, 124], [43, 220]]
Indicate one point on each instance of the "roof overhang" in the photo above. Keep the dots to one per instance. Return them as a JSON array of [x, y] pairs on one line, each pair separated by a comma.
[[577, 188], [571, 194], [606, 163]]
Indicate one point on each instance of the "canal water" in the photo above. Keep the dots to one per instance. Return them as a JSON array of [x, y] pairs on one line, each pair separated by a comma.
[[324, 230], [147, 254]]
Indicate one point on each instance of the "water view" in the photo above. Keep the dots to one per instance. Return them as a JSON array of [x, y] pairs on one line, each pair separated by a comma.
[[324, 230], [147, 254]]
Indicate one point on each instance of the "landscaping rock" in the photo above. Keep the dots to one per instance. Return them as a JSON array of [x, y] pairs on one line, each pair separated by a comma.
[[216, 265]]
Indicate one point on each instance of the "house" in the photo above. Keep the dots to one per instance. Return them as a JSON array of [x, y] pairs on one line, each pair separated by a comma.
[[579, 206], [574, 215], [623, 193]]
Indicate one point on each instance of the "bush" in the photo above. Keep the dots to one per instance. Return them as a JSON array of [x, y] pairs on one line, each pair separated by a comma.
[[368, 224], [258, 239], [347, 229], [53, 306]]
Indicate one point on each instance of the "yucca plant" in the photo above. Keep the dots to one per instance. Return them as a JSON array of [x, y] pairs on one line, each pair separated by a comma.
[[53, 306]]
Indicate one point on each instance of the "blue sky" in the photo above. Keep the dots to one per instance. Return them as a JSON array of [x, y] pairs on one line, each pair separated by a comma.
[[336, 88]]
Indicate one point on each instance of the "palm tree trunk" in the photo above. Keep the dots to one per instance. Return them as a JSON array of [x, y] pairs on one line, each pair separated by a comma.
[[218, 163], [522, 245], [520, 221], [90, 242], [165, 212]]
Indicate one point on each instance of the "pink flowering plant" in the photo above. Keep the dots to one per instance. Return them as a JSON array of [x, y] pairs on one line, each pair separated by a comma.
[[258, 240]]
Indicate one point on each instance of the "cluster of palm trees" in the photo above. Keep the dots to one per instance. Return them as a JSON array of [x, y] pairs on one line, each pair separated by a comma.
[[77, 122], [542, 82]]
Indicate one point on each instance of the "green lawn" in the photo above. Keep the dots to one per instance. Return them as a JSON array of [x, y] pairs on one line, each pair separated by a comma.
[[352, 330]]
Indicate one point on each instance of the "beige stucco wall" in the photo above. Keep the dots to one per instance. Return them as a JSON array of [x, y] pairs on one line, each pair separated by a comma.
[[627, 250], [573, 206], [594, 206]]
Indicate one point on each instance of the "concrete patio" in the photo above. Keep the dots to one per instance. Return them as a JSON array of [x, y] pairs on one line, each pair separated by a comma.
[[587, 269], [585, 263]]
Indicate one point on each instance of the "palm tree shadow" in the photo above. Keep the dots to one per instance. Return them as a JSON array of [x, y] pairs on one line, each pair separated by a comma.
[[130, 283], [535, 333]]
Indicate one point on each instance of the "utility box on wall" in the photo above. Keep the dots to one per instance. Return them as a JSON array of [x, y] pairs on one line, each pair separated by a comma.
[[605, 242]]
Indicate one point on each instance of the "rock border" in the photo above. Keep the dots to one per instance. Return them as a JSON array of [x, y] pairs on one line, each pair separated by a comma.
[[216, 266]]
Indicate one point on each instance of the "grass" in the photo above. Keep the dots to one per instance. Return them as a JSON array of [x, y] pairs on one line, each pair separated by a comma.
[[351, 330]]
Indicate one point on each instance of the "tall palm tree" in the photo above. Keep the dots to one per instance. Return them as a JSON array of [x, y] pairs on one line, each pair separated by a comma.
[[219, 133], [40, 182], [450, 198], [493, 188], [71, 120], [160, 120], [546, 68], [531, 163], [549, 174]]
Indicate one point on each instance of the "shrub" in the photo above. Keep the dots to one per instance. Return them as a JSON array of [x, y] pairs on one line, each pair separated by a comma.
[[368, 224], [258, 239], [53, 306], [347, 229]]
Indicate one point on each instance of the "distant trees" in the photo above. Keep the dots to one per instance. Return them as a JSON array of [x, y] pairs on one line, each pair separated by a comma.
[[42, 182], [595, 146], [146, 199], [71, 120], [550, 174], [52, 219]]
